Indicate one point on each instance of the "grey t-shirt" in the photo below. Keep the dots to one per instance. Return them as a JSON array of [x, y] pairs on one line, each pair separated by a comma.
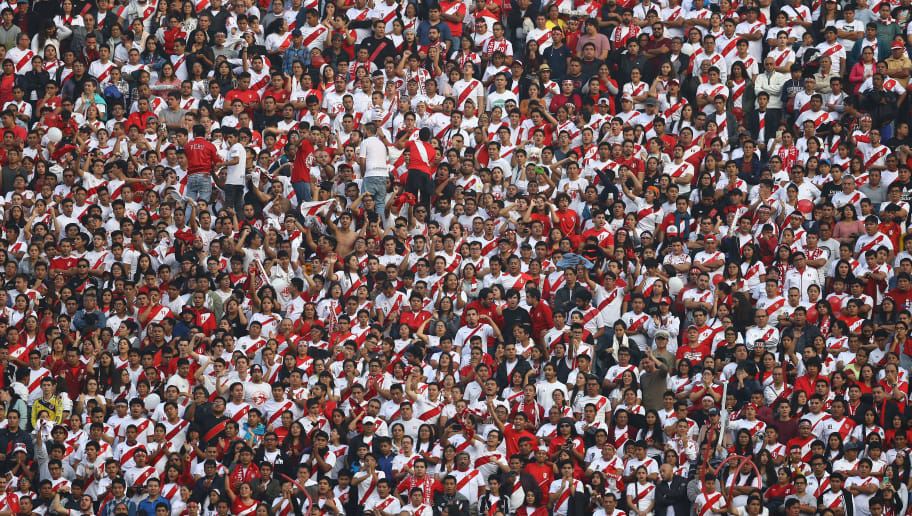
[[166, 116]]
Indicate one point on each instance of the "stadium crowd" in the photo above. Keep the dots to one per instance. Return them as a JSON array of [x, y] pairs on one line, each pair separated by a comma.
[[397, 258]]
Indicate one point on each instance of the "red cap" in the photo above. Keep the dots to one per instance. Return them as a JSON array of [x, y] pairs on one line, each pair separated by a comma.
[[665, 300]]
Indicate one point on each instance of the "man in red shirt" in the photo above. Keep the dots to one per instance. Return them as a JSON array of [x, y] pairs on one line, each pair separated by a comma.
[[567, 220], [74, 372], [245, 470], [542, 471], [423, 157], [141, 116], [692, 349], [201, 157], [300, 170], [250, 97], [453, 13], [416, 315]]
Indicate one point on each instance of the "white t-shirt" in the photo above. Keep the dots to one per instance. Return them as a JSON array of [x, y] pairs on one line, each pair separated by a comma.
[[236, 172], [375, 157]]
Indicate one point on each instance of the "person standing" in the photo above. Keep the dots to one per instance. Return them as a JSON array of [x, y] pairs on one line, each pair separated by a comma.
[[237, 169], [422, 156], [201, 156], [373, 161]]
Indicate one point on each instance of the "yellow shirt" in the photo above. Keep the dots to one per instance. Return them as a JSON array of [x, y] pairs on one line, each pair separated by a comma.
[[896, 65], [53, 406]]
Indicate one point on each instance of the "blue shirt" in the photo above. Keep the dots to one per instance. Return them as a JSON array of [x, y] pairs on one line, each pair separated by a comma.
[[108, 509], [149, 505], [291, 55], [425, 26], [557, 60], [385, 464]]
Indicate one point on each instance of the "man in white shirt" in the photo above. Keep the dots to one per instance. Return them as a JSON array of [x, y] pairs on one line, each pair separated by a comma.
[[373, 158], [801, 276], [237, 170]]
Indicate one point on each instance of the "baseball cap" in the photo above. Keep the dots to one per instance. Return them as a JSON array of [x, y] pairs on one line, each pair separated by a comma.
[[543, 67], [714, 411], [369, 420], [662, 334], [665, 300], [603, 101], [897, 45]]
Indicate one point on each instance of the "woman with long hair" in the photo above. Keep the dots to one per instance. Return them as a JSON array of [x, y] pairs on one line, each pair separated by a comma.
[[869, 426], [447, 315], [641, 493], [742, 88], [50, 34], [886, 315], [200, 50], [841, 271], [848, 228], [897, 426], [224, 77], [532, 504], [653, 433], [798, 403], [12, 401], [121, 389], [242, 502], [92, 392], [763, 459], [295, 442], [779, 489], [679, 382], [863, 69], [838, 339], [167, 81], [31, 335], [743, 444], [865, 380], [835, 447]]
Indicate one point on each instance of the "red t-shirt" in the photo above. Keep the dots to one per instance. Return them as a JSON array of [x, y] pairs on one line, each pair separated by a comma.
[[512, 437], [569, 221], [300, 171], [414, 320], [421, 155], [280, 96], [460, 10], [18, 132], [201, 155], [247, 97], [543, 474], [903, 299]]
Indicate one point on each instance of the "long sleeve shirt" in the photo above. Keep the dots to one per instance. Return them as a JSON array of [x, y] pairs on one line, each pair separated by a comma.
[[771, 83]]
